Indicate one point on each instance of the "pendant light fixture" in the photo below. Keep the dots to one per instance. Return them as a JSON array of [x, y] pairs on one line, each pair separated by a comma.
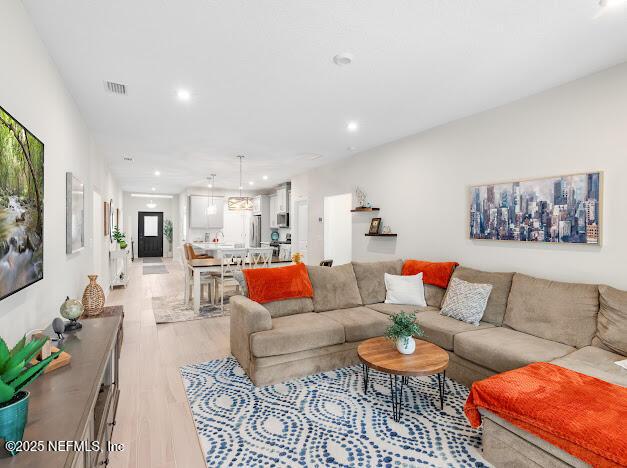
[[240, 203], [211, 206], [152, 205]]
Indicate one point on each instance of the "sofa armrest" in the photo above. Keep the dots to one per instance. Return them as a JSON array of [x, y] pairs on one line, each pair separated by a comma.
[[247, 317]]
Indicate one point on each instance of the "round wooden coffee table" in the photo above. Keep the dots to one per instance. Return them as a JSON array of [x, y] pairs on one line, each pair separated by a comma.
[[381, 354]]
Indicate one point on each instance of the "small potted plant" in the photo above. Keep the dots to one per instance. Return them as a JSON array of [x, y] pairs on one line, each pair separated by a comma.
[[402, 331], [120, 238], [16, 373]]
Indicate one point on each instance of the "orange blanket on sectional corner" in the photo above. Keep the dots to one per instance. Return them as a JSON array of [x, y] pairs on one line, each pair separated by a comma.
[[582, 415], [277, 284], [434, 273]]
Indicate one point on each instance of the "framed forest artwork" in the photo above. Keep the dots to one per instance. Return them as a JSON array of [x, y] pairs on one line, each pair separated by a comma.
[[21, 206]]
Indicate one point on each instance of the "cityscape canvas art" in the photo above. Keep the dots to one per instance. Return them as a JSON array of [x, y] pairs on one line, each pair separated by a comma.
[[562, 209], [21, 206]]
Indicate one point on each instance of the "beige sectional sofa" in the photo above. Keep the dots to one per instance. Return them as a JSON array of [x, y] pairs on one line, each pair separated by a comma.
[[582, 327]]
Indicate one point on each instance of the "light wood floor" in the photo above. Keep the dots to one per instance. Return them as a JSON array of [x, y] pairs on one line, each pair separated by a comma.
[[153, 419]]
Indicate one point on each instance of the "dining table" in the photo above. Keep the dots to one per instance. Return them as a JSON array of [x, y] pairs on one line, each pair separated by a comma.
[[198, 266]]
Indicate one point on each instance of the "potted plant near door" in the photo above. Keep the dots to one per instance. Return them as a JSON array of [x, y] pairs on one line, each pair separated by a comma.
[[120, 238], [168, 232], [16, 373], [402, 332]]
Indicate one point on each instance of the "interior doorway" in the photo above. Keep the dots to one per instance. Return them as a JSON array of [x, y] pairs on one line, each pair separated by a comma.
[[150, 234], [301, 228], [338, 228]]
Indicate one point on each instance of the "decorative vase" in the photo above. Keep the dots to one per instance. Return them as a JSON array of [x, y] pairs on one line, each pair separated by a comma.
[[13, 418], [123, 245], [93, 297], [406, 345]]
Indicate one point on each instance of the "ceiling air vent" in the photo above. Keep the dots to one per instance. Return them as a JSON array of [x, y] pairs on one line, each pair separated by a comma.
[[115, 88]]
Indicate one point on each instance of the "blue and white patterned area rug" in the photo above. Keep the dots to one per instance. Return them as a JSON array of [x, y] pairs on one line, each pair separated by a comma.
[[326, 420]]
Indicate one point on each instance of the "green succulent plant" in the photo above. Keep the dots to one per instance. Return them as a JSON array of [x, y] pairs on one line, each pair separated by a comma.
[[403, 326], [15, 369]]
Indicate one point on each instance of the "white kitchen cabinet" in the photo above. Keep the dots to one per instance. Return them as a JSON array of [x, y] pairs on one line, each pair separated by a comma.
[[282, 200], [257, 205], [273, 210], [201, 216]]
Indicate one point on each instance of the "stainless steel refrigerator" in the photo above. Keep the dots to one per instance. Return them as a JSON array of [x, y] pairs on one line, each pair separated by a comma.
[[255, 231]]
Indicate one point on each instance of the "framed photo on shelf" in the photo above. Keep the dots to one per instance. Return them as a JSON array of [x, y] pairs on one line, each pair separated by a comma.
[[375, 224]]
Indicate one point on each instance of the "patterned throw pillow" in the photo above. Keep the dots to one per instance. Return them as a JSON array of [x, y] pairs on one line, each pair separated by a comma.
[[466, 301]]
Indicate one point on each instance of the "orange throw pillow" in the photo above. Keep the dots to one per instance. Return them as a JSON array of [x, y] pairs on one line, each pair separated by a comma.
[[277, 284], [435, 273]]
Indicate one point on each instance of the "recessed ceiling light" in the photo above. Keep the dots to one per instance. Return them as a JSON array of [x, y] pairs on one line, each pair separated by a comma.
[[153, 189], [241, 188], [209, 185], [157, 173], [265, 177], [250, 182], [183, 95], [352, 126], [343, 59], [351, 148]]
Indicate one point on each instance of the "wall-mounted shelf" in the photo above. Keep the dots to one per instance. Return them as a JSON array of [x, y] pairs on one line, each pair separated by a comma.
[[381, 235], [364, 210]]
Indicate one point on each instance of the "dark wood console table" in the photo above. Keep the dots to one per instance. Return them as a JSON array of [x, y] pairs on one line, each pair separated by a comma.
[[77, 402]]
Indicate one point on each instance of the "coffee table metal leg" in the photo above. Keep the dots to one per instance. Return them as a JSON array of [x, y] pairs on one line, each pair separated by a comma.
[[365, 368], [442, 388], [396, 391]]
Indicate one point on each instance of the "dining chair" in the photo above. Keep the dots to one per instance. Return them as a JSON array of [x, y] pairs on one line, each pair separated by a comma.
[[231, 260], [205, 279], [260, 256]]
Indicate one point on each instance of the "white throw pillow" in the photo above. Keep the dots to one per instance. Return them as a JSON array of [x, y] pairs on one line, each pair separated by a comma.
[[406, 290], [466, 301]]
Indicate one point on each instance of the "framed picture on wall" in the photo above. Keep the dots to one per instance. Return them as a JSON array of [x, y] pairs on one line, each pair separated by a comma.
[[74, 214], [107, 219], [21, 206], [375, 224], [561, 209]]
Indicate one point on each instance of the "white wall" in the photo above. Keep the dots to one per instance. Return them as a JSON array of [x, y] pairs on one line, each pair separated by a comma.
[[421, 183], [32, 91], [170, 209]]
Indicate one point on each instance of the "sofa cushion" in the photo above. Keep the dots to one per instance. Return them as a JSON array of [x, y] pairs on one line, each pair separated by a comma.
[[466, 301], [289, 307], [334, 288], [434, 295], [562, 312], [502, 349], [501, 285], [370, 278], [435, 273], [392, 309], [295, 333], [440, 330], [597, 363], [612, 320], [277, 284], [360, 323]]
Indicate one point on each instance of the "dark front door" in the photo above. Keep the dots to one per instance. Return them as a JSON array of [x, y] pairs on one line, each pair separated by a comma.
[[150, 234]]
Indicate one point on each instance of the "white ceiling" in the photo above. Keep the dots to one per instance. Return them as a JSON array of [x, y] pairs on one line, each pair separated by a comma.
[[263, 82]]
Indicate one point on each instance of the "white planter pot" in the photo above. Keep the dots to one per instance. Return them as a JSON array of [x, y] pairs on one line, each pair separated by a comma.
[[406, 345]]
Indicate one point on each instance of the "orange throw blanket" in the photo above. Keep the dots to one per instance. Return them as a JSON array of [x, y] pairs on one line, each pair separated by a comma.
[[582, 415], [435, 273], [277, 284]]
